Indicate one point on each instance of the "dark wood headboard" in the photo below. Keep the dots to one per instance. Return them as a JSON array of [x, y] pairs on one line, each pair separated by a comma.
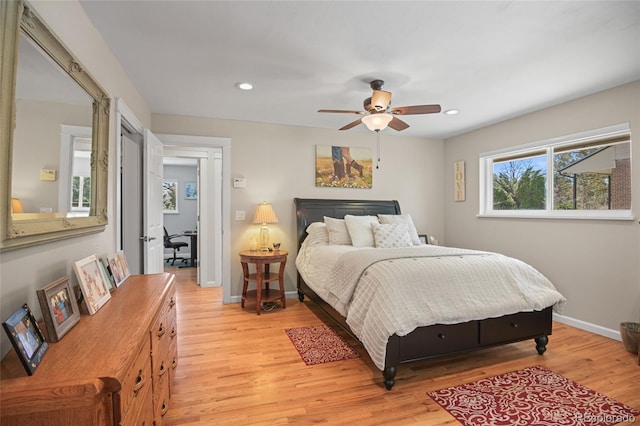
[[314, 210]]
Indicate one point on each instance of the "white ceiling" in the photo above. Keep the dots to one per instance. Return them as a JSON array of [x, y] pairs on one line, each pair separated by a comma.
[[492, 60]]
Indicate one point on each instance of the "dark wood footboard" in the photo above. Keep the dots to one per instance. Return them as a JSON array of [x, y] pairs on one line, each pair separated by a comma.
[[440, 339]]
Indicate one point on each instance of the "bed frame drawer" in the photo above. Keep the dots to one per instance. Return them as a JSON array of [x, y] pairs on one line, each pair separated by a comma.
[[439, 339], [520, 326]]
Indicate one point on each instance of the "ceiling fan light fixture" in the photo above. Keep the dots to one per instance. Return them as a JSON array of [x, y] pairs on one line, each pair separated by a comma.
[[380, 100], [376, 122]]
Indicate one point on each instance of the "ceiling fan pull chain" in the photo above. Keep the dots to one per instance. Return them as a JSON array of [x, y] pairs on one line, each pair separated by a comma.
[[378, 148]]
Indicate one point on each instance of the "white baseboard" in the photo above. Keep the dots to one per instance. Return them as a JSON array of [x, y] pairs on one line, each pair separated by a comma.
[[587, 326]]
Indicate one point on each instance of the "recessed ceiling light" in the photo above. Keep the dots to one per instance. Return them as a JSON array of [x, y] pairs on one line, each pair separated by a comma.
[[451, 111], [244, 85]]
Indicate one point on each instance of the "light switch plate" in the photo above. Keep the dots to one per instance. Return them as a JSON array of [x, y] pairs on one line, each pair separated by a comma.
[[239, 182], [240, 215]]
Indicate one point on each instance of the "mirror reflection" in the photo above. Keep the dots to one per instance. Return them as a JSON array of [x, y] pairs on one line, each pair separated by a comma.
[[51, 169]]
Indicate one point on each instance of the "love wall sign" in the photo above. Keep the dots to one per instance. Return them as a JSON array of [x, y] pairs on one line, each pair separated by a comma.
[[459, 180]]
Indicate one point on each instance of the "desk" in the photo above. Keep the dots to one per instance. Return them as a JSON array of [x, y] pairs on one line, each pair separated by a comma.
[[260, 294], [193, 244]]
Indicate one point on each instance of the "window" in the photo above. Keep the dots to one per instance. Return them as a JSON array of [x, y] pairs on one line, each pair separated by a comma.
[[80, 193], [81, 175], [586, 175]]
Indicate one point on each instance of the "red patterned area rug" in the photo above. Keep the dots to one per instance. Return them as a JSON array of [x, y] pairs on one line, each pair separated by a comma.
[[319, 344], [532, 396]]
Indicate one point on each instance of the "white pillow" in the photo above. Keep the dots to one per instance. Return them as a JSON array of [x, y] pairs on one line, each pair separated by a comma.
[[391, 235], [317, 233], [338, 233], [405, 219], [360, 230]]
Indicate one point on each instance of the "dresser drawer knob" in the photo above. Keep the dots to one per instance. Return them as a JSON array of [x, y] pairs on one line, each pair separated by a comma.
[[139, 384], [441, 336], [514, 324], [172, 301], [174, 363], [173, 333], [161, 330], [165, 408]]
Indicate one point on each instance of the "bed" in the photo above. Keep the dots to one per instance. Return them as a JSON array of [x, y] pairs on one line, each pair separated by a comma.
[[426, 341]]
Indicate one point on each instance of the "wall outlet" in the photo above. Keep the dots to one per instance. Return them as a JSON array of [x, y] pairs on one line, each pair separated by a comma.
[[240, 215]]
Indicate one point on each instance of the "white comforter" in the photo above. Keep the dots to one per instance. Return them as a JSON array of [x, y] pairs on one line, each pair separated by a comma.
[[382, 292]]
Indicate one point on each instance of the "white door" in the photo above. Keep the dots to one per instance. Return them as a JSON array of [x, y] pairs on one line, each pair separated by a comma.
[[153, 219]]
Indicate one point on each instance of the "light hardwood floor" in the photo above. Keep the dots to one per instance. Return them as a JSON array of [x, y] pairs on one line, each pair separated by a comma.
[[237, 368]]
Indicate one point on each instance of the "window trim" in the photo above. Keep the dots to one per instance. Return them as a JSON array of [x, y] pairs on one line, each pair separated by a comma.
[[486, 160]]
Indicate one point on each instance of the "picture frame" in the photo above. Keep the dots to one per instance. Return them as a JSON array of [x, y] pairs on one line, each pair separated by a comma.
[[423, 239], [170, 196], [26, 338], [106, 268], [115, 272], [95, 291], [59, 308], [123, 267], [190, 190], [343, 167]]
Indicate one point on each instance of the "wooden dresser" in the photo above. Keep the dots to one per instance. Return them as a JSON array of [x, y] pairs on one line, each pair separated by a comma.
[[113, 368]]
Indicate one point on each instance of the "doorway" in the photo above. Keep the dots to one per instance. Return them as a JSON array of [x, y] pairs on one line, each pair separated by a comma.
[[182, 193], [210, 221]]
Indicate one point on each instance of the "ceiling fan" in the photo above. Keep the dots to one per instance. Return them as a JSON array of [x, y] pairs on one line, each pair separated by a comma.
[[378, 113]]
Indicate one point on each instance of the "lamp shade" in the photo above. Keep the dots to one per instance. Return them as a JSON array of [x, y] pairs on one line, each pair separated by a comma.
[[377, 122], [16, 205], [265, 214], [380, 99]]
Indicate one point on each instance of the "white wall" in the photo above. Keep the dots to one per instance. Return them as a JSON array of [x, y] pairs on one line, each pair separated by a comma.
[[24, 271], [278, 163], [594, 263]]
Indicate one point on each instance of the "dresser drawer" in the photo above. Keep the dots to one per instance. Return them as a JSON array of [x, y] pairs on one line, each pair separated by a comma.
[[161, 400], [523, 325], [439, 339], [141, 415], [136, 381], [164, 329]]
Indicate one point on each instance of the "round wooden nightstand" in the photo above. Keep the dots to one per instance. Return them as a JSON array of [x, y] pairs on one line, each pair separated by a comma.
[[263, 259]]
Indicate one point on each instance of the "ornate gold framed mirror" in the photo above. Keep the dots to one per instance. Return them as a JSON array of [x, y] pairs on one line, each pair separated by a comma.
[[54, 136]]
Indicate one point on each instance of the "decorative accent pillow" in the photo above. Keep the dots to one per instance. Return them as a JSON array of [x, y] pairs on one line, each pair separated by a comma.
[[338, 233], [317, 233], [405, 219], [391, 235], [360, 230]]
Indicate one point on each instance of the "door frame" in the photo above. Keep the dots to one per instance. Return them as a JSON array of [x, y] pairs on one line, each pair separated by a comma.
[[219, 237]]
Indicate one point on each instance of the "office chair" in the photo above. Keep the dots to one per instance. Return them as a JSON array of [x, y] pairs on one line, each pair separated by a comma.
[[174, 245]]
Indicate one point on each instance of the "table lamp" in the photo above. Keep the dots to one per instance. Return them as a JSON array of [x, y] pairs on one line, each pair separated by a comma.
[[264, 215]]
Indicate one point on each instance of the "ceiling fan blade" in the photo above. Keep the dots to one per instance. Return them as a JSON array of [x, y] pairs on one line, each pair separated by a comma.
[[397, 124], [342, 111], [350, 125], [416, 109]]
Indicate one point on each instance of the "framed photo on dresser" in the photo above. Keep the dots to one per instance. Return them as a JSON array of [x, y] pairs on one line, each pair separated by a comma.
[[95, 291], [59, 308], [26, 338]]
